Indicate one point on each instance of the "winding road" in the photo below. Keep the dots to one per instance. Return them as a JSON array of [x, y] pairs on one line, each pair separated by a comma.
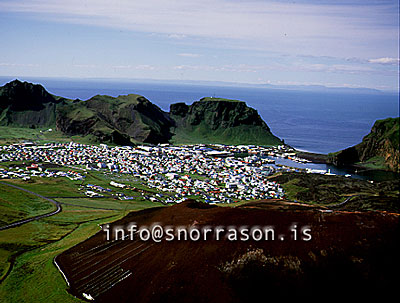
[[57, 204], [18, 223], [344, 202]]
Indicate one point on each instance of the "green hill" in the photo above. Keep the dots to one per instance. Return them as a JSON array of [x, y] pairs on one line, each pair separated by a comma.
[[122, 120], [216, 120], [378, 150]]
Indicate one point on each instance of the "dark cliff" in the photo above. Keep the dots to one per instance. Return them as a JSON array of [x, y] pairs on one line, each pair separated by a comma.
[[26, 104]]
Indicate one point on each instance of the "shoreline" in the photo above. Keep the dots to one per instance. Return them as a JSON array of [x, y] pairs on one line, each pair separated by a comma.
[[356, 169], [313, 157]]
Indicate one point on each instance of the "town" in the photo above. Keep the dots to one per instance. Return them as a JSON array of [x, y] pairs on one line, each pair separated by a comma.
[[212, 173]]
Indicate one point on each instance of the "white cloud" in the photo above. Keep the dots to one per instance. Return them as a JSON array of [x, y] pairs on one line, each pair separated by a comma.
[[18, 64], [333, 68], [86, 65], [176, 36], [385, 61], [189, 55], [136, 67], [145, 67], [304, 28]]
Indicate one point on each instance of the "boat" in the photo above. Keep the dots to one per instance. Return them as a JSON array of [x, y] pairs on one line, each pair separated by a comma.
[[329, 173]]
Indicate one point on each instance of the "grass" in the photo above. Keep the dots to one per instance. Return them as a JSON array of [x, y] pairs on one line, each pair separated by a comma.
[[4, 264], [81, 113], [374, 163], [17, 205], [34, 278], [10, 135], [206, 99], [51, 187], [27, 272], [236, 135], [390, 129], [292, 189]]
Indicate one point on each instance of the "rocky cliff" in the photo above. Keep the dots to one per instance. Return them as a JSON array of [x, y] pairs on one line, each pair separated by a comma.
[[216, 120], [378, 150]]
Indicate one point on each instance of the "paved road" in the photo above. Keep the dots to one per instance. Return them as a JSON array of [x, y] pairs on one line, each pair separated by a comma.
[[344, 202], [18, 223]]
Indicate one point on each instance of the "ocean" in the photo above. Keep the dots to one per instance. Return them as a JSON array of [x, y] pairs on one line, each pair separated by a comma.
[[314, 121]]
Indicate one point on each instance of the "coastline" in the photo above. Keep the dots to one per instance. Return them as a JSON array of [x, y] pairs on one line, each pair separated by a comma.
[[313, 157]]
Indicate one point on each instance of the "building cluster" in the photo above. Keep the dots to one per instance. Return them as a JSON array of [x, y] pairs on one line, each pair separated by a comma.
[[35, 170], [215, 174]]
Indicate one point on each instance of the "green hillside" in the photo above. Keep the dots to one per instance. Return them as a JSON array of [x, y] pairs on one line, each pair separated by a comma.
[[121, 120], [378, 150], [223, 121]]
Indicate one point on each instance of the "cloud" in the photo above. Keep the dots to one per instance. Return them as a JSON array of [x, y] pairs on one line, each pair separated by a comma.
[[135, 67], [231, 68], [385, 61], [176, 36], [145, 67], [189, 55], [295, 67], [304, 27], [18, 64], [86, 65], [333, 68]]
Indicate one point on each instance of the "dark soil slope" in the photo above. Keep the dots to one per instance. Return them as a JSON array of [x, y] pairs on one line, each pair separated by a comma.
[[352, 255]]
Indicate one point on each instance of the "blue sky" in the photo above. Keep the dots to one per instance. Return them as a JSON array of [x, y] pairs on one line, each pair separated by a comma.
[[332, 43]]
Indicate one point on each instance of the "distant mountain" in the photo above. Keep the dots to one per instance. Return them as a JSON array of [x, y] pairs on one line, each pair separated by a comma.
[[378, 150], [26, 104], [216, 120], [131, 119]]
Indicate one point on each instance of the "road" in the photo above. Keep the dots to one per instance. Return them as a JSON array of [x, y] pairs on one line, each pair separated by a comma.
[[18, 223], [344, 202]]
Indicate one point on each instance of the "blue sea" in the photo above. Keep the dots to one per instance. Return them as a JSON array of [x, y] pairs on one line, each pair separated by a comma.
[[314, 121]]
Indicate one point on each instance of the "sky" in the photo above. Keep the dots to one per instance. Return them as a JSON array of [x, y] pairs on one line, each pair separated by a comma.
[[335, 43]]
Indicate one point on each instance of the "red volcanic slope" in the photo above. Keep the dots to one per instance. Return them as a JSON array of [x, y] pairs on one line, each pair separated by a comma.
[[349, 253]]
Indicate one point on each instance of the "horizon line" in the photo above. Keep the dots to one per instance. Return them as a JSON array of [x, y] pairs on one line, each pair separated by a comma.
[[217, 83]]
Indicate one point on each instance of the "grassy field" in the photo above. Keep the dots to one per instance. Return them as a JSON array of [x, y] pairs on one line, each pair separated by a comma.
[[236, 135], [10, 135], [374, 163], [27, 272], [17, 205]]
